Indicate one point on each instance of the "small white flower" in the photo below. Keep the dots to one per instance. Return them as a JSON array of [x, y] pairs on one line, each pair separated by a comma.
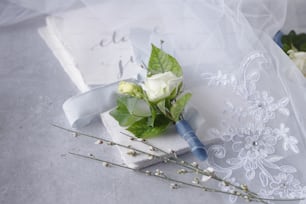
[[99, 142], [152, 148], [182, 171], [132, 153], [210, 170], [299, 59], [205, 178], [195, 164], [158, 172], [110, 143], [160, 86], [196, 181], [105, 164], [174, 186]]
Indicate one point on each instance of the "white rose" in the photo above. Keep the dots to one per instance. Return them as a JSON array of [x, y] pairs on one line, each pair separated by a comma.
[[299, 59], [160, 86]]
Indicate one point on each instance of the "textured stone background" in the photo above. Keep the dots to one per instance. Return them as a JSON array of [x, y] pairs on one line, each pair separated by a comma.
[[34, 165]]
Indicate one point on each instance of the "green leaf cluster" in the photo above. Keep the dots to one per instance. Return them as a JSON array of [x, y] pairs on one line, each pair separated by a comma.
[[142, 124], [294, 41], [124, 112], [161, 62], [144, 118]]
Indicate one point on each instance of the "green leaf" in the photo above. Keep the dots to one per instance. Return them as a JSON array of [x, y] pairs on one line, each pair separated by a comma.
[[122, 114], [286, 48], [178, 107], [285, 40], [142, 130], [151, 120], [138, 107], [291, 35], [298, 40], [303, 47], [161, 62], [162, 106]]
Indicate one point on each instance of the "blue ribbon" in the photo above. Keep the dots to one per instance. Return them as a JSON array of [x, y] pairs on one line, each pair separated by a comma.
[[196, 146], [278, 38]]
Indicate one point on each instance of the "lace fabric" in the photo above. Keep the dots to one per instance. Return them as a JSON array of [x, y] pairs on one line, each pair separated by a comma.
[[255, 136]]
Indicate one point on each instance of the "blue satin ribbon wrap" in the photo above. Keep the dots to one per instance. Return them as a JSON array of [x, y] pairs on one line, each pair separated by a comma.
[[278, 38], [196, 146]]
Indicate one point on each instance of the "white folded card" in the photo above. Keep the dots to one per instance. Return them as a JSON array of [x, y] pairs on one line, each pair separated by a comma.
[[90, 51]]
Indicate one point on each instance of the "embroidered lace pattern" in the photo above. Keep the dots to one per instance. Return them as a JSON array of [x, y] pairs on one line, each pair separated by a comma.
[[251, 139]]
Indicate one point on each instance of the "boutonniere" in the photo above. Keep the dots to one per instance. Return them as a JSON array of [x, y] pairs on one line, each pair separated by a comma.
[[295, 46], [149, 107]]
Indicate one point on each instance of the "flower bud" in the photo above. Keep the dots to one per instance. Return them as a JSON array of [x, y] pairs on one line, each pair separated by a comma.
[[130, 89]]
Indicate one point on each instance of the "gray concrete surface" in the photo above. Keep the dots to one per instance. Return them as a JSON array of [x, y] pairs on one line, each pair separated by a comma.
[[34, 165]]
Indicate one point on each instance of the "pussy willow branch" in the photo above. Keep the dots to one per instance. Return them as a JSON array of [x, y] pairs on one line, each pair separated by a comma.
[[189, 166], [162, 176], [245, 193], [198, 170], [110, 142], [162, 158]]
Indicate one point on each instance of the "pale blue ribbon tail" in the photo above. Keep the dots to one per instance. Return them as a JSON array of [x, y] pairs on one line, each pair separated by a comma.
[[196, 146], [81, 109]]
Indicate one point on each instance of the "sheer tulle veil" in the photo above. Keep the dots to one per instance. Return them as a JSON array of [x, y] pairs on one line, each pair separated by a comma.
[[251, 95]]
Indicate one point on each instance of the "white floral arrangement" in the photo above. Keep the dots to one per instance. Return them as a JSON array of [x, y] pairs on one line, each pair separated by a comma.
[[149, 107]]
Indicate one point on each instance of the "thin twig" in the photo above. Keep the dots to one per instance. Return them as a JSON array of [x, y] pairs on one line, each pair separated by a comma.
[[161, 176], [188, 165], [245, 193], [110, 142]]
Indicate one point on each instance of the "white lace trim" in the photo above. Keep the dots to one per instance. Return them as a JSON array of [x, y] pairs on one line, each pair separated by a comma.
[[250, 139]]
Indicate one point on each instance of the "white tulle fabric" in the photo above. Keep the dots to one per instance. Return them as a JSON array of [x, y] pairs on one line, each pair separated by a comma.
[[15, 11], [252, 96]]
